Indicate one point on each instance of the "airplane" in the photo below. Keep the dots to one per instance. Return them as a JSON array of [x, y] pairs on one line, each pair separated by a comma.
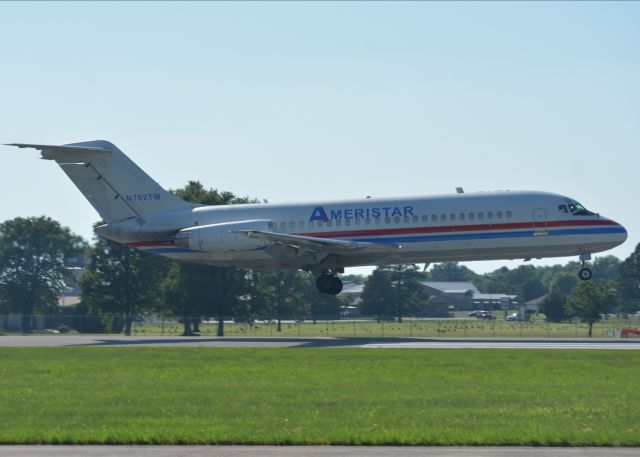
[[325, 237]]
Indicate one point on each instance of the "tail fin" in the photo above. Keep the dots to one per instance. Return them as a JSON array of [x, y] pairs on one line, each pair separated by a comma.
[[115, 186]]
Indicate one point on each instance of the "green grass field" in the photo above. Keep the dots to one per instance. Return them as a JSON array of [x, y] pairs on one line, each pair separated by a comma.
[[319, 396]]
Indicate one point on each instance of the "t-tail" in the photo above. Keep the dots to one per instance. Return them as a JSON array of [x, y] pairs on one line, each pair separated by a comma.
[[115, 186]]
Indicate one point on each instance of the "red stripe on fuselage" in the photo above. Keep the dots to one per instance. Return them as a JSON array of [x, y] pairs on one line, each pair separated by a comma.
[[417, 230], [456, 228]]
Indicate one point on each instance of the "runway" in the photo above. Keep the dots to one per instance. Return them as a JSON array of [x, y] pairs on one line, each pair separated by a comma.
[[364, 343]]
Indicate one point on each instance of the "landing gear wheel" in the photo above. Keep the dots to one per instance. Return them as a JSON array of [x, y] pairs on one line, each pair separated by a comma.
[[585, 274], [329, 284]]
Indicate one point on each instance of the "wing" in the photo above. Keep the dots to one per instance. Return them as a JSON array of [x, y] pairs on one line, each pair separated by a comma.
[[310, 250]]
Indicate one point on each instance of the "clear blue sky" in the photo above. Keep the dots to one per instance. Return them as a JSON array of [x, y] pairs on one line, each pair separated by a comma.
[[306, 101]]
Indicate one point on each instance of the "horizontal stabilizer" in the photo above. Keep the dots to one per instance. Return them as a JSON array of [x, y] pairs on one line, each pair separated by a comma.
[[66, 152], [115, 186]]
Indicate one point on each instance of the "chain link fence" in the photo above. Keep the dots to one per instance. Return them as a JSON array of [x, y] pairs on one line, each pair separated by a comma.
[[463, 327]]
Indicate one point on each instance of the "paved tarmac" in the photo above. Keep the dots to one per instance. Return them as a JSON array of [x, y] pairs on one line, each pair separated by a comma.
[[309, 451], [320, 342]]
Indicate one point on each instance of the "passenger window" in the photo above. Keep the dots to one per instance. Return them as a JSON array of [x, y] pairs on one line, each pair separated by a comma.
[[415, 219], [319, 223], [347, 222], [367, 221], [452, 217], [499, 214], [461, 216], [508, 214], [329, 223], [357, 221], [396, 219], [480, 215], [425, 218], [434, 218], [387, 220], [471, 217], [377, 220], [406, 219], [301, 224], [338, 222], [490, 215], [283, 226]]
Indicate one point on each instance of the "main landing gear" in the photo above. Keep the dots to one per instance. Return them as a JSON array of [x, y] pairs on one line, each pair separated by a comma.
[[585, 272], [329, 283]]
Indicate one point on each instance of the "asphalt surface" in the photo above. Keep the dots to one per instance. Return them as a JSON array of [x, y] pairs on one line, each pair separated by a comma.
[[403, 343], [309, 451]]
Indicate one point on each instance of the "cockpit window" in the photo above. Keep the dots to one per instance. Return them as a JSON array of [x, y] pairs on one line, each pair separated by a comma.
[[563, 208], [576, 209], [582, 211]]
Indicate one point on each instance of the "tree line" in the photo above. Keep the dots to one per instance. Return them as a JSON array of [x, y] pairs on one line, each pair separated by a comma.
[[396, 290], [120, 284]]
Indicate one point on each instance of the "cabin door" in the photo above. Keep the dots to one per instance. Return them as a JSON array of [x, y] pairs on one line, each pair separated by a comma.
[[539, 222]]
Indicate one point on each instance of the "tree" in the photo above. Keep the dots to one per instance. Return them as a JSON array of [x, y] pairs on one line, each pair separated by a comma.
[[377, 296], [33, 256], [193, 291], [553, 304], [283, 295], [195, 192], [410, 295], [606, 267], [524, 281], [589, 300], [450, 271], [121, 282], [630, 281], [532, 288], [393, 290]]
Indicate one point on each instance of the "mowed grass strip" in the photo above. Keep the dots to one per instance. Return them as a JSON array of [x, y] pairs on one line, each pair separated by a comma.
[[319, 396]]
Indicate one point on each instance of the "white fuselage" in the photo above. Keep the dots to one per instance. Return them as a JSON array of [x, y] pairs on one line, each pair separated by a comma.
[[459, 227]]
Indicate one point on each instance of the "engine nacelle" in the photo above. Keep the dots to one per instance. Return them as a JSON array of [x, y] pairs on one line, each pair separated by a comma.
[[220, 237]]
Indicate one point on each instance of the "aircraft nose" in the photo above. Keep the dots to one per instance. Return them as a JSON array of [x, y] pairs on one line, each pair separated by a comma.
[[624, 232], [621, 231]]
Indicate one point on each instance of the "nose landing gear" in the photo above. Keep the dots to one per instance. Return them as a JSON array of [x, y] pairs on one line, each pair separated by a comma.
[[585, 271], [329, 283]]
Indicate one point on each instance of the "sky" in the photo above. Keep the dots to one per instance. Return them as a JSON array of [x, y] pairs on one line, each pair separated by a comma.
[[327, 100]]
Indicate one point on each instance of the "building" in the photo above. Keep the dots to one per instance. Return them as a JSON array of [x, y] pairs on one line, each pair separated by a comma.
[[464, 295]]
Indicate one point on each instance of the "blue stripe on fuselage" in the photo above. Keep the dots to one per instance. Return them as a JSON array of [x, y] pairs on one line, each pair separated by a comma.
[[489, 235], [447, 237]]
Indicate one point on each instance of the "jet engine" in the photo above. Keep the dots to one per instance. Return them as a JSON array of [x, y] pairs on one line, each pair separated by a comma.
[[221, 237]]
